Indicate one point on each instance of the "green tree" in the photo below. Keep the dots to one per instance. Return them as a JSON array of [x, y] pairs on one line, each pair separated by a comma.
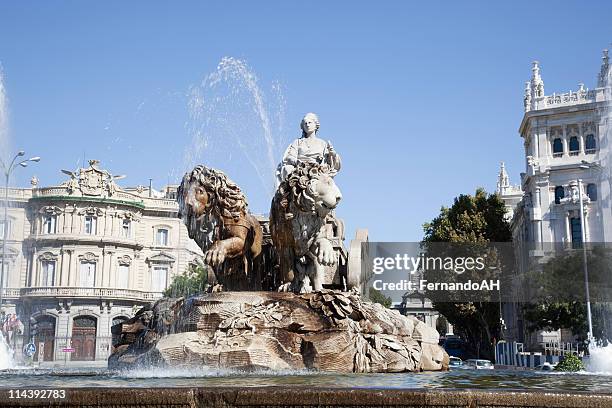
[[376, 296], [471, 224], [193, 281]]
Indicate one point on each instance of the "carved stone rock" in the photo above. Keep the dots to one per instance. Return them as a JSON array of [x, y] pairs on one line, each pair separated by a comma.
[[323, 330]]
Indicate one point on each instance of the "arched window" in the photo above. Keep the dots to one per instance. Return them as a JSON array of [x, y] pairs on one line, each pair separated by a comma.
[[44, 335], [574, 145], [592, 191], [84, 338], [559, 194], [557, 147], [590, 144]]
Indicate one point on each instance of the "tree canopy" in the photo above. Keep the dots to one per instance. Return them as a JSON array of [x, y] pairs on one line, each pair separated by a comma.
[[475, 221]]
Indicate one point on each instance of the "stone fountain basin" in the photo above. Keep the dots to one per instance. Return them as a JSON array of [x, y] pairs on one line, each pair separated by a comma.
[[324, 330]]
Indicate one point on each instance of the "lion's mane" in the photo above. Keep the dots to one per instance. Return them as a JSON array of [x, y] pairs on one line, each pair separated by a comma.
[[297, 187], [225, 196]]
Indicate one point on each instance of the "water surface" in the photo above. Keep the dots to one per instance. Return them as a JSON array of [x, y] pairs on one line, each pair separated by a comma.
[[460, 379]]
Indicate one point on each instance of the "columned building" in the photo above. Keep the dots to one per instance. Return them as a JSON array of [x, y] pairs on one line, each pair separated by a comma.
[[566, 147], [85, 255]]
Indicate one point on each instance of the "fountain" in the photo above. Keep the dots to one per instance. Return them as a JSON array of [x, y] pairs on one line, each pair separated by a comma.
[[294, 311], [236, 125], [6, 354]]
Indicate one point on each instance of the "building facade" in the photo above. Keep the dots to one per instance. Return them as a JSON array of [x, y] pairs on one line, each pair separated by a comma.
[[566, 138], [85, 255]]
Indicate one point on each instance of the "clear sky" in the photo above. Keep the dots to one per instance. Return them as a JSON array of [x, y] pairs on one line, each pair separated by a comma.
[[421, 99]]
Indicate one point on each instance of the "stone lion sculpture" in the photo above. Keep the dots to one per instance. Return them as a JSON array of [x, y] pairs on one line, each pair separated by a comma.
[[215, 212], [298, 215]]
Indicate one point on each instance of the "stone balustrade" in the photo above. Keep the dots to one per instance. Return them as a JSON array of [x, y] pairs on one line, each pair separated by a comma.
[[10, 293], [80, 292], [20, 194], [581, 96], [87, 239]]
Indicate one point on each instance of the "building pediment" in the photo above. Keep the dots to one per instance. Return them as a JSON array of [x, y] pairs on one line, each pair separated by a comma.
[[161, 257]]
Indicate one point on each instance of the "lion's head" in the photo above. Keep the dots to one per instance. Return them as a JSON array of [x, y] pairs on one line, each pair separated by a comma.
[[312, 189], [205, 197]]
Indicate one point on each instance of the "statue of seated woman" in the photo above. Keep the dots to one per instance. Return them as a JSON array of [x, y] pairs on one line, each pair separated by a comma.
[[308, 148]]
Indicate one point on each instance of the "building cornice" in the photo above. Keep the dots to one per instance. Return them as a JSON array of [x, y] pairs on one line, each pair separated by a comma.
[[561, 110]]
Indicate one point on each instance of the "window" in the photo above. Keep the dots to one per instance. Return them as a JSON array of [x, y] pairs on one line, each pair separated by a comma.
[[590, 145], [576, 232], [48, 273], [592, 191], [126, 228], [90, 225], [159, 278], [8, 229], [123, 276], [161, 238], [87, 275], [574, 145], [559, 194], [4, 269], [49, 224], [557, 147]]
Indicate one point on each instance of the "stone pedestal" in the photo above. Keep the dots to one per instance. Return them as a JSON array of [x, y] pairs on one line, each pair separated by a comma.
[[324, 330]]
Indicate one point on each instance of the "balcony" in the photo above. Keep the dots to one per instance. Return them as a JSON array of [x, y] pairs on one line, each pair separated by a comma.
[[10, 293], [84, 239], [89, 293]]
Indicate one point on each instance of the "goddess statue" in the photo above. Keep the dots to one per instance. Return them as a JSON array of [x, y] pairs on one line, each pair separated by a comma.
[[308, 148]]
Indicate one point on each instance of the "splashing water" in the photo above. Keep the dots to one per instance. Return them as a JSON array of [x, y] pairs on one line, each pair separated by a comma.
[[6, 355], [4, 140], [600, 360], [237, 129]]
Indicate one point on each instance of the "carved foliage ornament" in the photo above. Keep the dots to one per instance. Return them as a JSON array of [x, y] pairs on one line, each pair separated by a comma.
[[588, 127], [88, 257], [47, 256], [130, 216], [91, 211], [125, 260], [50, 210]]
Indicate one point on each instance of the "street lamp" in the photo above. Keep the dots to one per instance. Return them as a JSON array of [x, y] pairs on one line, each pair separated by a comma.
[[586, 165], [7, 175]]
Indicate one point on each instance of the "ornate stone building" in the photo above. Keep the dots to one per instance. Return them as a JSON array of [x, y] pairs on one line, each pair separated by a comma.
[[566, 139], [84, 255]]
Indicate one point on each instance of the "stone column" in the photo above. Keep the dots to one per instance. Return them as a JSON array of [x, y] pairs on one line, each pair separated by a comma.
[[100, 270], [565, 143], [110, 270], [581, 139], [62, 330], [74, 269], [32, 277], [62, 269]]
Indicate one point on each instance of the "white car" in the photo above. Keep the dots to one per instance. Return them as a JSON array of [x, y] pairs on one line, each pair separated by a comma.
[[478, 364]]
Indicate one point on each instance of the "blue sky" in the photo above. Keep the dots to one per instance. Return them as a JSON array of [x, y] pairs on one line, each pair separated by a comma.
[[421, 99]]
